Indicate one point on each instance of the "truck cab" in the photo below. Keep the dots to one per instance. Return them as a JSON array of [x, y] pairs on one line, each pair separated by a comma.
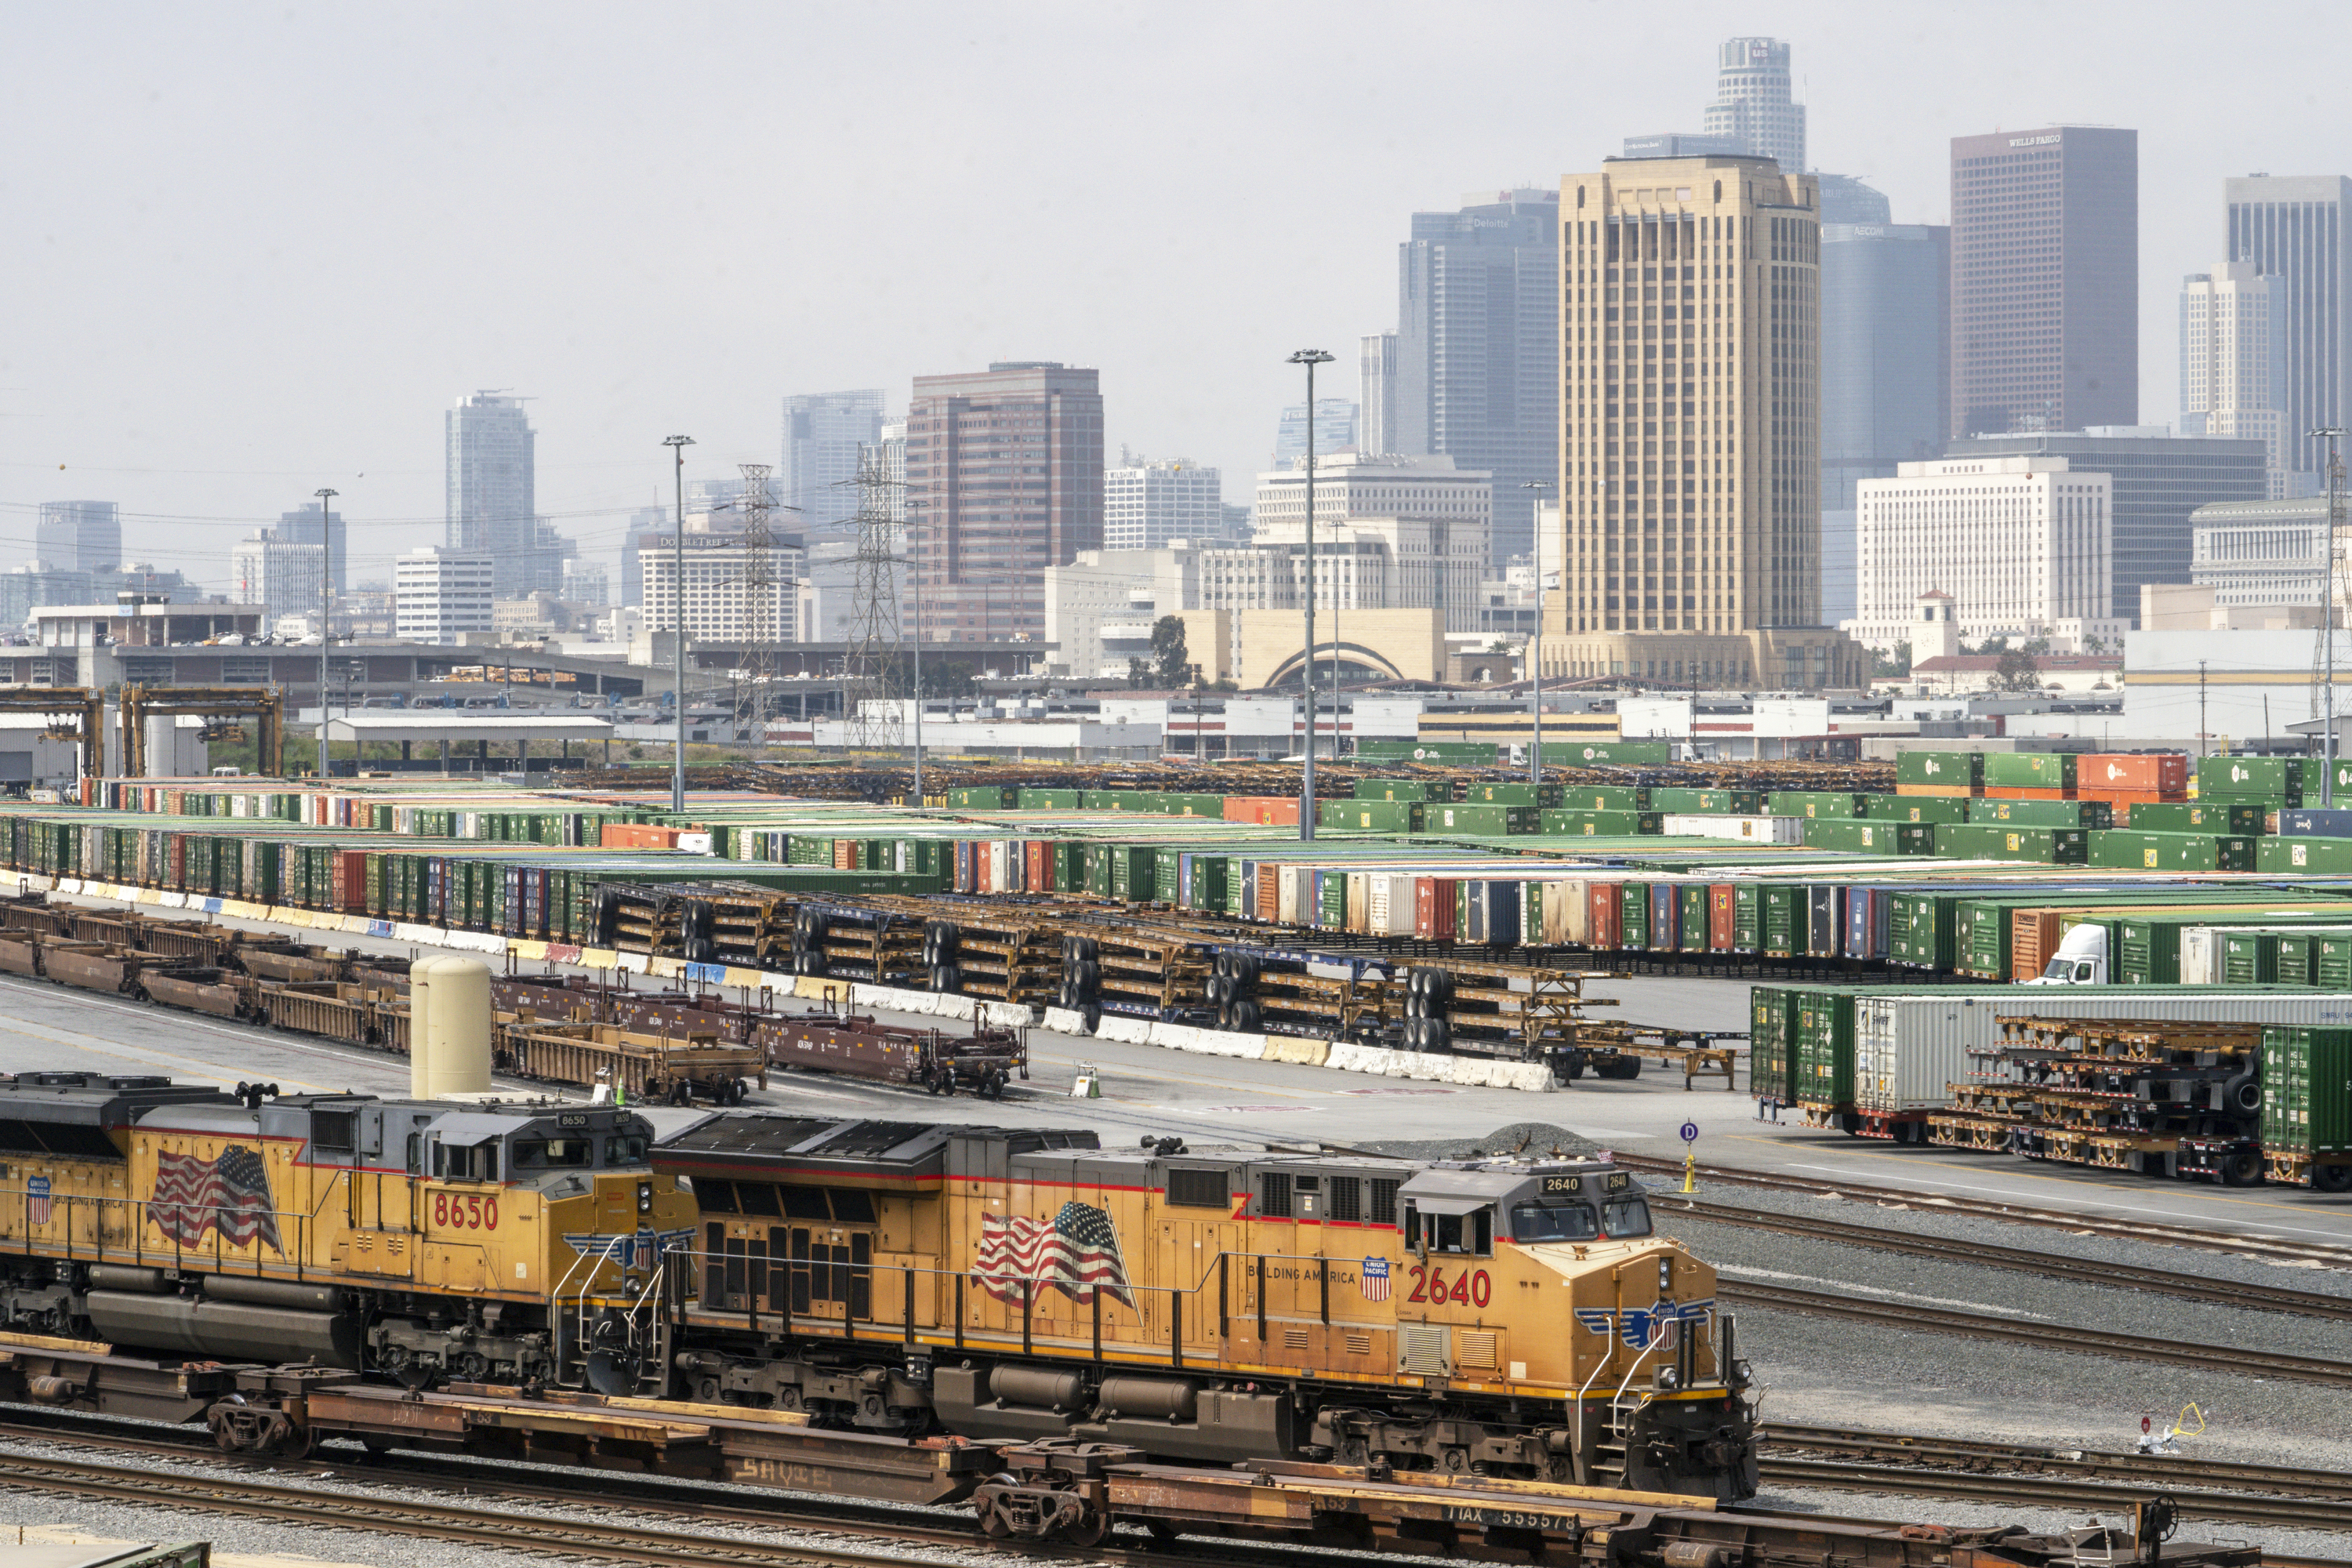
[[2080, 959]]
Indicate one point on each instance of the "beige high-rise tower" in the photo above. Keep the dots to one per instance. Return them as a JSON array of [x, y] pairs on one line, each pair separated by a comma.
[[1690, 428]]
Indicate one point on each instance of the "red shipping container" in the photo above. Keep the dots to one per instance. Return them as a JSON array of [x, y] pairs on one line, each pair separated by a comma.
[[2160, 771], [1040, 873], [1432, 908], [1603, 929], [1242, 808], [1269, 891], [1722, 915]]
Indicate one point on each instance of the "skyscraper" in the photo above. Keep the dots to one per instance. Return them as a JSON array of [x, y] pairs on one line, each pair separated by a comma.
[[1885, 382], [78, 536], [1147, 505], [491, 470], [2045, 280], [1376, 392], [301, 527], [2232, 360], [1335, 428], [2297, 229], [823, 432], [1690, 399], [1753, 105], [1478, 348], [1004, 478]]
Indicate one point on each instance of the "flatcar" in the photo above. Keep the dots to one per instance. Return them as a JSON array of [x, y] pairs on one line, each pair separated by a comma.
[[419, 1239], [1497, 1317]]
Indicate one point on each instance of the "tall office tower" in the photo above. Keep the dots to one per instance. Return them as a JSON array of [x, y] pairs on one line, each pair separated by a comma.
[[1690, 406], [823, 432], [490, 479], [1753, 106], [1335, 428], [1004, 478], [643, 531], [1478, 349], [1376, 392], [1845, 199], [2160, 479], [301, 527], [2045, 280], [1148, 505], [2297, 229], [2233, 360], [1885, 382], [78, 535]]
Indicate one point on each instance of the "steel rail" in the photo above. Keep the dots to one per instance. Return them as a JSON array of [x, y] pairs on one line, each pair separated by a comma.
[[1916, 1317], [2053, 1492], [2191, 1237], [2142, 1469], [2049, 1265]]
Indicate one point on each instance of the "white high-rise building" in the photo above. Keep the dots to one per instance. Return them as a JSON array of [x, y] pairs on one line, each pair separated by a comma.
[[1753, 105], [2023, 546], [1376, 392], [2233, 360], [1390, 533], [720, 606], [1149, 504], [439, 594], [278, 573]]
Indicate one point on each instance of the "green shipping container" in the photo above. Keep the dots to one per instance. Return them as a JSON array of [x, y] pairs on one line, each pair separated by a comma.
[[2275, 855], [1515, 794], [2088, 814], [2200, 817], [1574, 822], [2271, 777], [2122, 847], [1605, 798], [2148, 952], [1771, 1034], [1915, 808], [2029, 770], [1986, 841], [1481, 819], [2250, 958], [2298, 958], [1444, 753], [1747, 918], [1824, 1061], [1643, 754], [1050, 800], [1857, 836], [1403, 789], [1632, 918], [1919, 928], [1372, 815], [1945, 770], [2307, 1090], [1784, 921], [1814, 803], [2331, 964], [1685, 801]]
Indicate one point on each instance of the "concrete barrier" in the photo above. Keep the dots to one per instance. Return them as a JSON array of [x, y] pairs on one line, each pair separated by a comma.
[[1066, 1021], [1119, 1026], [1007, 1014], [1305, 1052]]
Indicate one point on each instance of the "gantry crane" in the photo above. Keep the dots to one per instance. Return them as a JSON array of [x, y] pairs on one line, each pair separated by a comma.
[[74, 713], [264, 706]]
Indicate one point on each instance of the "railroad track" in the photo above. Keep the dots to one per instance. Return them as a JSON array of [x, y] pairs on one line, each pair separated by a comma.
[[2014, 1214], [2025, 1260], [2144, 1470], [1918, 1317]]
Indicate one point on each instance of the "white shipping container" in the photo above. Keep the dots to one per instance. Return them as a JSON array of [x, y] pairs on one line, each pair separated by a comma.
[[1750, 829], [2201, 956], [1907, 1048], [1286, 898]]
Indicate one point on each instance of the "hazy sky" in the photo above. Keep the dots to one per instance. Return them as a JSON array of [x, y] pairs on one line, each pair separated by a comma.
[[255, 250]]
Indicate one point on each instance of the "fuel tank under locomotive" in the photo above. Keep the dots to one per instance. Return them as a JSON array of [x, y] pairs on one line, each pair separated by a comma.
[[232, 1320]]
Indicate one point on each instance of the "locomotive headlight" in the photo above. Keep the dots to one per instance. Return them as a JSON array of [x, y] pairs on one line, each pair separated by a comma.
[[1667, 1272], [645, 1197]]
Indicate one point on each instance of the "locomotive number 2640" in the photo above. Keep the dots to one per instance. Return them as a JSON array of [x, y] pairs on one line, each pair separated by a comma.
[[1470, 1287], [464, 1211]]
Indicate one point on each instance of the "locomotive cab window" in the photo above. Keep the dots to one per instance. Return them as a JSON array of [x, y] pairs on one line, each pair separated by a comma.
[[1469, 1235], [554, 1153], [1625, 1218], [465, 1162], [626, 1150], [1553, 1222]]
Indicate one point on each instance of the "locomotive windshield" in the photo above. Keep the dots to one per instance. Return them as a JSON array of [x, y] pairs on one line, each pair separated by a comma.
[[1625, 1218], [553, 1153], [1554, 1222]]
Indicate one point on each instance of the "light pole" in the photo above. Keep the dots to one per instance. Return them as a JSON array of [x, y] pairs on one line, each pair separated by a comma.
[[678, 446], [326, 602], [2331, 435], [1311, 358], [1535, 642]]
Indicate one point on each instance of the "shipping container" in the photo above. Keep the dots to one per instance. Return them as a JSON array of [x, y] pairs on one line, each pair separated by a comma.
[[2006, 771], [1814, 803], [1989, 841], [2310, 822], [2088, 814], [1748, 829], [1963, 771], [2128, 848], [1523, 794], [1481, 819], [1915, 807], [1639, 753], [1576, 824], [1822, 1066], [2203, 816], [1771, 1039], [2162, 773], [2268, 778], [2307, 1089], [1405, 789], [1863, 836], [1687, 800]]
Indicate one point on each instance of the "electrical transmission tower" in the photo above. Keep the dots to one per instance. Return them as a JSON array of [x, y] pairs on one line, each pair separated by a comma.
[[874, 613], [761, 632]]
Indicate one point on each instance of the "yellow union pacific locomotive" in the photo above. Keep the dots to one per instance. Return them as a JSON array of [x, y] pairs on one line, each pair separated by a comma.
[[1507, 1317], [422, 1240]]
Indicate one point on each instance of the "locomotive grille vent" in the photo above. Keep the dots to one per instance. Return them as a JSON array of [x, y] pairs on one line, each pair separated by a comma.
[[1421, 1348], [1294, 1338], [1475, 1349], [1359, 1344]]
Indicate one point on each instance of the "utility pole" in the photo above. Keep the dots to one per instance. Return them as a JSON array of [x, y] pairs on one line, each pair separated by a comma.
[[1535, 644], [2332, 435], [678, 446], [2201, 708], [1311, 358], [326, 616]]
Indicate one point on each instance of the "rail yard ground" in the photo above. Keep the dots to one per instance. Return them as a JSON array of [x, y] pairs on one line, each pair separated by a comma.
[[1819, 1370]]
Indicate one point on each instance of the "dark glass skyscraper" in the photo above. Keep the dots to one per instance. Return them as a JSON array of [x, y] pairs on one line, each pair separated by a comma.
[[2295, 228], [491, 476], [1477, 368], [2045, 282]]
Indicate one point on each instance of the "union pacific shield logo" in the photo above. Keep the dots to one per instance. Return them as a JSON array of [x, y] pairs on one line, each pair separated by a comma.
[[37, 1201], [1374, 1281]]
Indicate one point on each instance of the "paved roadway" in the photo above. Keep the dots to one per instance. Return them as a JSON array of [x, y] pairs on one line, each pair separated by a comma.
[[1149, 1090]]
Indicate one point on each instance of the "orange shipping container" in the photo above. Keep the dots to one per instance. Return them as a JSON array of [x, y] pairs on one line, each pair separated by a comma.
[[2032, 938], [1266, 810], [2026, 793], [1034, 857], [2160, 771], [1722, 916]]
